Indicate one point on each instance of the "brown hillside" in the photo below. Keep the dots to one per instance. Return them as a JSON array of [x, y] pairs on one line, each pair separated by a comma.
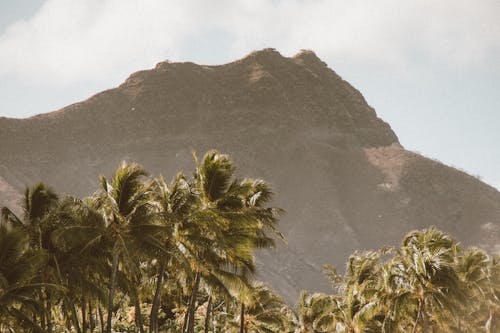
[[337, 169]]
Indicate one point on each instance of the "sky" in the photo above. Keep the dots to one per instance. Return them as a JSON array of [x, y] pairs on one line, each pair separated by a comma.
[[431, 69]]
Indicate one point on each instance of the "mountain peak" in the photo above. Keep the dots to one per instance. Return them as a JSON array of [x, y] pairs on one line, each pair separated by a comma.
[[266, 53], [309, 57], [266, 77]]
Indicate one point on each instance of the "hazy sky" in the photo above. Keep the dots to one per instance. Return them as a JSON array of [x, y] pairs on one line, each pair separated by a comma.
[[430, 68]]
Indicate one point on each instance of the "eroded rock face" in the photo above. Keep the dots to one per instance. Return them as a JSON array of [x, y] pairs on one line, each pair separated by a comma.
[[337, 169]]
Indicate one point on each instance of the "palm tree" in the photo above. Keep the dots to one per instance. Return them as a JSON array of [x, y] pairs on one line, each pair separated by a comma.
[[315, 312], [263, 311], [473, 270], [228, 224], [175, 203], [493, 300], [393, 297], [251, 198], [81, 246], [19, 269], [202, 234], [357, 310], [427, 272], [38, 202], [125, 205]]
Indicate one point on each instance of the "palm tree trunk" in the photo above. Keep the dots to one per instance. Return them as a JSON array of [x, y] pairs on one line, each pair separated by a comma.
[[101, 317], [242, 318], [425, 321], [114, 270], [488, 324], [155, 307], [207, 315], [91, 318], [84, 312], [191, 309], [186, 315], [213, 319], [74, 314], [39, 232], [49, 312], [42, 309], [138, 313], [419, 314]]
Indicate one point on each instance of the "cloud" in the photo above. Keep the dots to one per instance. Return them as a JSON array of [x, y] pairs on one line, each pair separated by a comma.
[[69, 41]]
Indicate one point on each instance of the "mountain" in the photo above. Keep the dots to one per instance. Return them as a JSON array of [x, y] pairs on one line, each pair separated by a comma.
[[338, 170]]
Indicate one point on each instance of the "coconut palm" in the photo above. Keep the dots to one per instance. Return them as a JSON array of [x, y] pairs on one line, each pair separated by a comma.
[[37, 204], [19, 269], [229, 223], [493, 299], [315, 312], [125, 205], [175, 202], [251, 198], [473, 270], [38, 201], [394, 299], [210, 265], [358, 309], [427, 272], [262, 311], [81, 246], [203, 234]]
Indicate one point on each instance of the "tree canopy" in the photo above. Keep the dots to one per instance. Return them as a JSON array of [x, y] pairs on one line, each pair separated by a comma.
[[143, 254]]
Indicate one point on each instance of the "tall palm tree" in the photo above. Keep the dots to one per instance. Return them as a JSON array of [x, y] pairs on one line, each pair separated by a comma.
[[251, 198], [357, 310], [175, 202], [427, 270], [202, 234], [38, 201], [125, 205], [37, 204], [81, 246], [19, 269], [493, 299], [473, 270], [394, 298], [230, 222]]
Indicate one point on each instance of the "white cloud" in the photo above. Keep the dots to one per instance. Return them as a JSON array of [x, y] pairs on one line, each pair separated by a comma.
[[70, 41]]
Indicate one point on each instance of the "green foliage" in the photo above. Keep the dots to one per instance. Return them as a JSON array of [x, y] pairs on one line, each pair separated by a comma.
[[19, 266], [138, 243], [178, 256], [427, 285]]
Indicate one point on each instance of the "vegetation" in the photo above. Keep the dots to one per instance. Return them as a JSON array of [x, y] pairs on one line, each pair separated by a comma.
[[147, 255]]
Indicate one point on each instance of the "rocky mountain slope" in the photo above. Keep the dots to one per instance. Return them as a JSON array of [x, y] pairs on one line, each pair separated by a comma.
[[338, 170]]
